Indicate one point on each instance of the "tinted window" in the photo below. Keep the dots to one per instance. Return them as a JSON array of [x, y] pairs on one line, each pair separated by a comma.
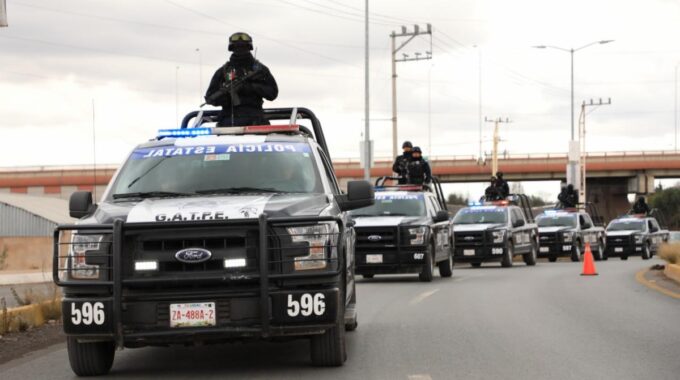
[[556, 221], [481, 215], [394, 205], [626, 225]]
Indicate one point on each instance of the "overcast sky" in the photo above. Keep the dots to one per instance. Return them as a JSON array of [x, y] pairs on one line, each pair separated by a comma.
[[130, 56]]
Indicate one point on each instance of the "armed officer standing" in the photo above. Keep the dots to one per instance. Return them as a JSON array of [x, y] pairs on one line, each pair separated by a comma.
[[418, 169], [640, 206], [400, 165], [502, 186], [240, 85]]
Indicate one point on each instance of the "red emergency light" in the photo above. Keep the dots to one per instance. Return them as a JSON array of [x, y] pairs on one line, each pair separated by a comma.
[[256, 129]]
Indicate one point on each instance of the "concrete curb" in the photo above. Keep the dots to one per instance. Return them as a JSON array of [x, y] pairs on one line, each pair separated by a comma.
[[672, 271], [22, 317], [25, 278]]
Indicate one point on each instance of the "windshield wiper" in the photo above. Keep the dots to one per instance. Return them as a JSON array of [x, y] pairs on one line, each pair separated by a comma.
[[238, 190], [151, 194]]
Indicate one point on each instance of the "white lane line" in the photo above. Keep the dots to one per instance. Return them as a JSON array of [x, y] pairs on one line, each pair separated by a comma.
[[422, 296], [420, 377]]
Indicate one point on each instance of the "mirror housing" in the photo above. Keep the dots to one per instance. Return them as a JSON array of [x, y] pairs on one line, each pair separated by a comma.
[[359, 194], [80, 204], [518, 223], [442, 216]]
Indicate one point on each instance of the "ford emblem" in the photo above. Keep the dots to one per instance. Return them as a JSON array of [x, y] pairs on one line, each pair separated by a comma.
[[193, 255], [374, 238]]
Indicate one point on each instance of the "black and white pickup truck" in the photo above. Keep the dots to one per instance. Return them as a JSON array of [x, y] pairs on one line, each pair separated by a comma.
[[495, 231], [407, 230], [213, 234], [634, 235], [565, 232]]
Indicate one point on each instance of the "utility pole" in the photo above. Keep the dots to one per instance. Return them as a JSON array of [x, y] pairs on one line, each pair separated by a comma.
[[480, 160], [496, 140], [177, 96], [428, 55], [3, 14], [582, 140], [675, 105], [200, 76], [367, 135]]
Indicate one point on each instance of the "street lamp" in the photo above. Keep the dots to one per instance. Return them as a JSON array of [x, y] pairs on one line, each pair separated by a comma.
[[574, 155]]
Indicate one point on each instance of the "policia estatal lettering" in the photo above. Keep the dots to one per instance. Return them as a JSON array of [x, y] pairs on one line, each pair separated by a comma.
[[240, 85]]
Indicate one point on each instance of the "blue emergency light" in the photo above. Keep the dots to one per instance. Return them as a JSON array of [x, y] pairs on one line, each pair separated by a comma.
[[184, 132], [474, 203]]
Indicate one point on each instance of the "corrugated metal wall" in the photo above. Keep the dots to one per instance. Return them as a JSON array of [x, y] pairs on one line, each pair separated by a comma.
[[17, 222]]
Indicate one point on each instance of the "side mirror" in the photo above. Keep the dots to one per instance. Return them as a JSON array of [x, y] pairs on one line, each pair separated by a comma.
[[80, 204], [359, 194], [442, 216], [518, 223]]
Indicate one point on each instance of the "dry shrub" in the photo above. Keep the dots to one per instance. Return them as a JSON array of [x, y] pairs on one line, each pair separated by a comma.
[[670, 253]]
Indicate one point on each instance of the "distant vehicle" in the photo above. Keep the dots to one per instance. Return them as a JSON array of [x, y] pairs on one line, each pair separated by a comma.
[[495, 231], [212, 235], [565, 232], [634, 235], [674, 237], [407, 230]]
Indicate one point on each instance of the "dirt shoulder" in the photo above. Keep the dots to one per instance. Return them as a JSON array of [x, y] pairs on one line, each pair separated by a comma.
[[16, 345]]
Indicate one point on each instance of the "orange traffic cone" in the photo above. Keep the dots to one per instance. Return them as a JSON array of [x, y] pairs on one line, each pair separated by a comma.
[[588, 263]]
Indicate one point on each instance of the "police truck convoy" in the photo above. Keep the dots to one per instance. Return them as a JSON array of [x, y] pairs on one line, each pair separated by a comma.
[[634, 235], [565, 232], [237, 233]]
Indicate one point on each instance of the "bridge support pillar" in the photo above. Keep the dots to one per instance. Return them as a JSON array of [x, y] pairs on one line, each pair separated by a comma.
[[610, 195], [642, 183]]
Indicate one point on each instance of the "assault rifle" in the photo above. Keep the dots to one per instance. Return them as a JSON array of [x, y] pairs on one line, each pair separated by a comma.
[[231, 87]]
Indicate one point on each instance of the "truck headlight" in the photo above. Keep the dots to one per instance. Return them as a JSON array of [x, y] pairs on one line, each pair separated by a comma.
[[81, 244], [320, 239], [638, 239], [567, 237], [498, 236], [417, 235]]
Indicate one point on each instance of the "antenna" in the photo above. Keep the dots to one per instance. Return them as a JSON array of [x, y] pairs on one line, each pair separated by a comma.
[[94, 156]]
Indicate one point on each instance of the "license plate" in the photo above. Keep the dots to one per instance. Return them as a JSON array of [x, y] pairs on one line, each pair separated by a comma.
[[566, 248], [192, 314], [618, 249], [468, 252], [374, 259], [545, 249]]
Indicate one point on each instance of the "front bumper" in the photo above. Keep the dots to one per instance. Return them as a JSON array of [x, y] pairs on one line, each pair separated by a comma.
[[555, 250], [409, 259], [478, 254], [624, 250]]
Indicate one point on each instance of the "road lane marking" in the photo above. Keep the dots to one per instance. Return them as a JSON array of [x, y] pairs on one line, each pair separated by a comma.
[[640, 277], [422, 296], [420, 377]]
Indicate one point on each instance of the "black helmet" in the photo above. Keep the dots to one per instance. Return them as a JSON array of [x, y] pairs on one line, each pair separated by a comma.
[[240, 39], [406, 144], [499, 175], [416, 149]]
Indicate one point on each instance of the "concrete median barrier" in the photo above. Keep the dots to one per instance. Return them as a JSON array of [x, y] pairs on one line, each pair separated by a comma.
[[672, 271]]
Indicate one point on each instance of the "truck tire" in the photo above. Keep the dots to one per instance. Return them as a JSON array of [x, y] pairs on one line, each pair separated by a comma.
[[353, 302], [552, 259], [506, 261], [476, 265], [329, 348], [426, 273], [624, 258], [367, 275], [576, 252], [446, 267], [646, 252], [600, 251], [90, 359], [530, 258]]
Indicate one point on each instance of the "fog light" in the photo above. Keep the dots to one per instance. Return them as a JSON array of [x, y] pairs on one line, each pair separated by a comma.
[[146, 265], [234, 263]]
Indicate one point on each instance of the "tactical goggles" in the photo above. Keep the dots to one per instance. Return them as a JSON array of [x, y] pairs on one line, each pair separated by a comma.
[[236, 37]]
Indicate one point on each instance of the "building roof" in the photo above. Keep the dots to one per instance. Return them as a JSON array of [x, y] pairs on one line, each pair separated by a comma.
[[52, 209]]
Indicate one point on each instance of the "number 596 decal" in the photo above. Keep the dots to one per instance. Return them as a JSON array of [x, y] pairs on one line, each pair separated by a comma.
[[88, 313], [307, 305]]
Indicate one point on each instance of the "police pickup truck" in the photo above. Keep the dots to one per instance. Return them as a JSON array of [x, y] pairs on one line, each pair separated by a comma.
[[565, 232], [495, 231], [634, 235], [212, 234], [407, 230]]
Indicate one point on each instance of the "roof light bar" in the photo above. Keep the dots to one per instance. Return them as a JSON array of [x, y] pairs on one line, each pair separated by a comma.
[[474, 204], [184, 132], [256, 129]]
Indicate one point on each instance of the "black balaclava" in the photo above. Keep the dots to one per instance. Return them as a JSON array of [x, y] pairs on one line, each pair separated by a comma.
[[241, 58]]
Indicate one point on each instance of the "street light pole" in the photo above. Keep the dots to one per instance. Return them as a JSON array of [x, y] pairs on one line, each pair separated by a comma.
[[367, 136], [675, 112]]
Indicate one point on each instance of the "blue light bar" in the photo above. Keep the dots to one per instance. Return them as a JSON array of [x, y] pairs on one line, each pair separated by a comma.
[[550, 212], [473, 204], [184, 132]]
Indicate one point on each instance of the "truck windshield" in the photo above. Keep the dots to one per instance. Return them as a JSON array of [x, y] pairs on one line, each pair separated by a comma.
[[481, 216], [218, 169], [628, 225], [556, 221], [394, 205]]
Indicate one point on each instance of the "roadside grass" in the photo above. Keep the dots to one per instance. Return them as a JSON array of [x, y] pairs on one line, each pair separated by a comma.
[[47, 307], [670, 253]]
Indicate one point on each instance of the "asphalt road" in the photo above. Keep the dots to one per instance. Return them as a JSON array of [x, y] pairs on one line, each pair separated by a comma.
[[545, 322]]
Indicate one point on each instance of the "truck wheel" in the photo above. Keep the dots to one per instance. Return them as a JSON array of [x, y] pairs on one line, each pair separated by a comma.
[[328, 349], [530, 258], [576, 252], [367, 275], [476, 265], [90, 359], [600, 251], [624, 257], [506, 262], [552, 259], [428, 269], [351, 326], [646, 252], [446, 267]]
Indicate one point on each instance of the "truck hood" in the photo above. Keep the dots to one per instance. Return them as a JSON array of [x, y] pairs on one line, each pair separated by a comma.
[[389, 221], [220, 207], [621, 233], [548, 230], [476, 227]]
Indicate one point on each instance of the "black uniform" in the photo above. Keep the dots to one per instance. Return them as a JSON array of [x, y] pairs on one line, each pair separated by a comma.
[[419, 171], [400, 167], [250, 93], [640, 207], [502, 186], [491, 193], [568, 197]]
